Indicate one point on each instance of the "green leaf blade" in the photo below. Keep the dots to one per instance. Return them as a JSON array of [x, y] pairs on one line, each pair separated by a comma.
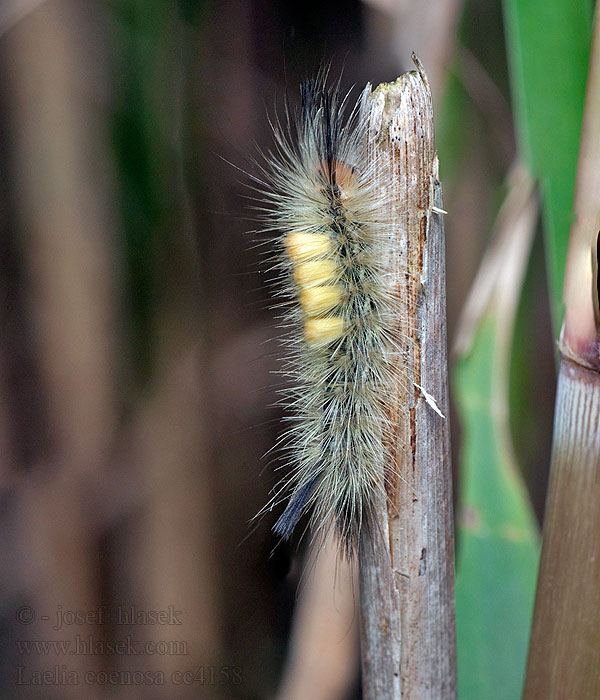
[[549, 49], [497, 539]]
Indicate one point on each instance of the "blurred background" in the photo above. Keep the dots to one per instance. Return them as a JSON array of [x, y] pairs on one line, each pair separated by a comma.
[[137, 347]]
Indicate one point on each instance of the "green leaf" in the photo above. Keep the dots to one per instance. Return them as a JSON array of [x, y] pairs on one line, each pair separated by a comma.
[[497, 537], [452, 127], [549, 48], [143, 36]]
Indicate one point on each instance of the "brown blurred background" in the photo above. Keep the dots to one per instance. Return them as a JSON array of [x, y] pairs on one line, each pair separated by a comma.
[[137, 345]]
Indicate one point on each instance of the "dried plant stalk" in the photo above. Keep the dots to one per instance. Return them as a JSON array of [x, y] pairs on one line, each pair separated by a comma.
[[564, 654], [407, 559]]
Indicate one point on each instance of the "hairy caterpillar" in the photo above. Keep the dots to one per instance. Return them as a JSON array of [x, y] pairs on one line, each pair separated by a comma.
[[323, 202]]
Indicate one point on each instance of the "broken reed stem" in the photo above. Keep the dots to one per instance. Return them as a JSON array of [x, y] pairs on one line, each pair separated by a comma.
[[407, 557], [564, 652]]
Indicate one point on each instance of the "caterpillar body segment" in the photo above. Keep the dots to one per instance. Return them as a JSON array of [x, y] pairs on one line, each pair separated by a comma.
[[327, 210]]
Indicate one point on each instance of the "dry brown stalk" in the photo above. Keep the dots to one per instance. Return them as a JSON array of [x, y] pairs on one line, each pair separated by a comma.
[[564, 654], [407, 561]]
